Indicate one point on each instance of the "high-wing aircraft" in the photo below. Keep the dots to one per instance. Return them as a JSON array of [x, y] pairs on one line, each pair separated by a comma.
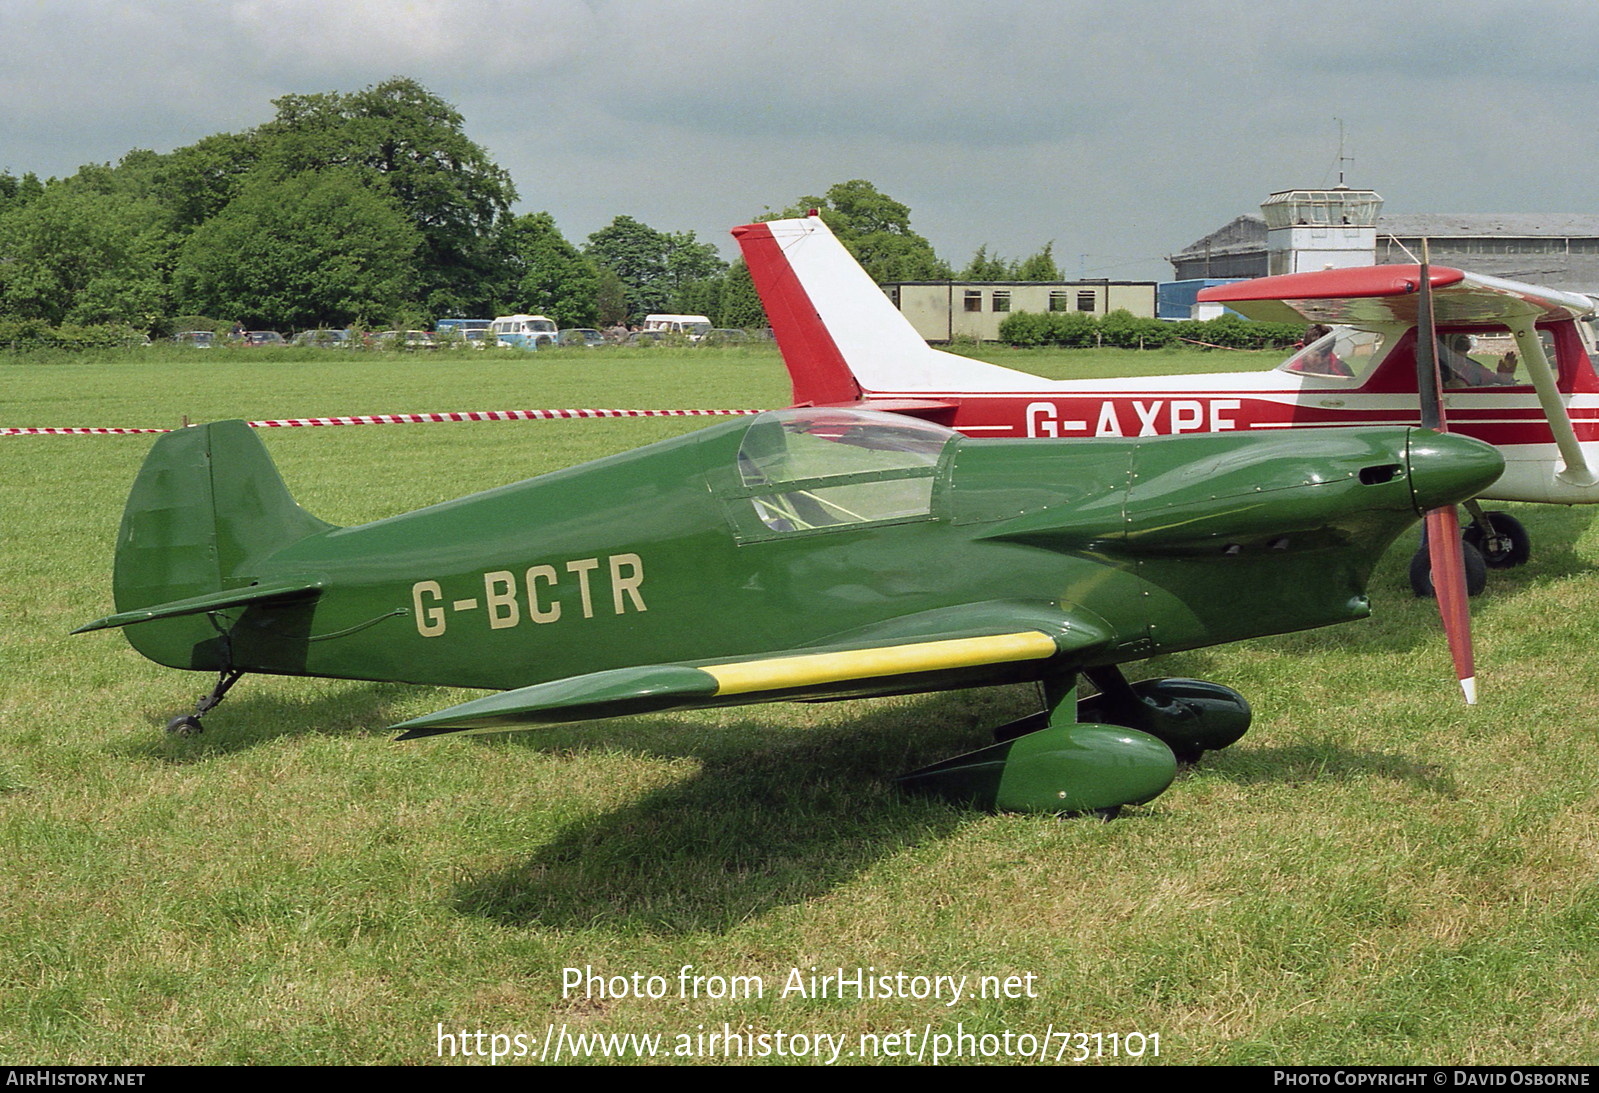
[[800, 554], [1515, 370]]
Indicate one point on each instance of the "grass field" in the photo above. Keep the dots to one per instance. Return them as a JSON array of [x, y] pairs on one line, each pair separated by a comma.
[[1375, 874]]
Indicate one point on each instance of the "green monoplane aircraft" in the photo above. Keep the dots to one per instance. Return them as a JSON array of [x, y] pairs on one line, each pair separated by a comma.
[[800, 554]]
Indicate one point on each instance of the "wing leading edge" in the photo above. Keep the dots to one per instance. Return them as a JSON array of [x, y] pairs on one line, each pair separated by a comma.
[[844, 669], [1389, 294]]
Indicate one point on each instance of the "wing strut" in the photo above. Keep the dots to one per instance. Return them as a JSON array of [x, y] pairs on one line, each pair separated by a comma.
[[1576, 471]]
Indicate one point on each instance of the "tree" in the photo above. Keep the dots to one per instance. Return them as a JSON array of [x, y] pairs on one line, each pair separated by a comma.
[[660, 270], [877, 231], [1040, 267], [402, 140], [549, 276], [987, 267], [611, 298], [315, 249], [196, 182], [78, 255], [741, 304]]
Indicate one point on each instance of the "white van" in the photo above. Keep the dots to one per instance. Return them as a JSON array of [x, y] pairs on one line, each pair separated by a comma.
[[693, 327], [524, 331]]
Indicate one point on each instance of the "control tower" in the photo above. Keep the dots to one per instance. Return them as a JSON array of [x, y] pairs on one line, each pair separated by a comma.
[[1320, 229]]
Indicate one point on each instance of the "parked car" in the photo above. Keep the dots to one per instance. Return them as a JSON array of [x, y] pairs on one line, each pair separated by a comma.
[[405, 339], [581, 335], [196, 339], [693, 327], [459, 337], [263, 337], [727, 336], [651, 337], [325, 339]]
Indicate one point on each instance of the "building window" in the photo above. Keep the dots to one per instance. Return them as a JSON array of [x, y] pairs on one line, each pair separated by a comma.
[[1002, 299], [1085, 301], [974, 300], [1060, 300]]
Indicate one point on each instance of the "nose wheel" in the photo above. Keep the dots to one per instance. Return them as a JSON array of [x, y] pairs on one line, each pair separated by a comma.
[[1493, 540]]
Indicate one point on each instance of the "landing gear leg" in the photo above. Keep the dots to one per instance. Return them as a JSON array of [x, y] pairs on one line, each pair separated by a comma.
[[189, 724], [1190, 715], [1049, 762]]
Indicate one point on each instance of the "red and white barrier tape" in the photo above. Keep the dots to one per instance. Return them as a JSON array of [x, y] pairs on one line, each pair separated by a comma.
[[76, 432], [405, 419]]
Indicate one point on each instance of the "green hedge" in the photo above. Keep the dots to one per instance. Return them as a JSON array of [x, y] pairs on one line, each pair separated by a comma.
[[1121, 329], [31, 334]]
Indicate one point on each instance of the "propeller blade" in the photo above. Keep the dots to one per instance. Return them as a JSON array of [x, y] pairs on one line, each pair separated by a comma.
[[1449, 585], [1445, 551]]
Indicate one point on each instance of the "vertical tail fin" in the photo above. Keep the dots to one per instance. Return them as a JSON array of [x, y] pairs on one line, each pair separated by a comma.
[[842, 339], [207, 507]]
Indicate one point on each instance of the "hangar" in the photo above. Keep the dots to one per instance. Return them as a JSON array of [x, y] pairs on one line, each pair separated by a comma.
[[1314, 229]]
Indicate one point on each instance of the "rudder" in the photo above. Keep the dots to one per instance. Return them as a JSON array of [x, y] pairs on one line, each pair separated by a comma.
[[207, 506]]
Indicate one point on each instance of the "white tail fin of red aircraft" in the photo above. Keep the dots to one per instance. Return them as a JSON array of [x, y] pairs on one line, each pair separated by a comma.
[[842, 339]]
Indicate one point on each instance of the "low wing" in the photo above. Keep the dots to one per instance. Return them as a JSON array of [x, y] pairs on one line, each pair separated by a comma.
[[919, 653], [1389, 294]]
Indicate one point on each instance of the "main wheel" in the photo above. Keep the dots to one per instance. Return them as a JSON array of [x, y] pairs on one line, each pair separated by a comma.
[[1508, 546], [1476, 570]]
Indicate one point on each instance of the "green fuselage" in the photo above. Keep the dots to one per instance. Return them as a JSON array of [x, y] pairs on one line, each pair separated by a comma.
[[679, 552]]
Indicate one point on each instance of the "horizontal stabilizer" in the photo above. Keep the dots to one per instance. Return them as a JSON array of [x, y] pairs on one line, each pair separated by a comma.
[[203, 605]]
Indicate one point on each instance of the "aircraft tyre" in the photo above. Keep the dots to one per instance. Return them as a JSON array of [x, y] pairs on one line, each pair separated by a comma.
[[1190, 716], [1476, 571], [185, 725], [1510, 545]]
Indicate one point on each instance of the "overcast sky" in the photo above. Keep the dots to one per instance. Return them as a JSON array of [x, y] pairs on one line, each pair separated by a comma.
[[1121, 130]]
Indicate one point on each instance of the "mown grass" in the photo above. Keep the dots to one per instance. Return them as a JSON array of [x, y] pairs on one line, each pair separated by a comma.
[[1375, 874]]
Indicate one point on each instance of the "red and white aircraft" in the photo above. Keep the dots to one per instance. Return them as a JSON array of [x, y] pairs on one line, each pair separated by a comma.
[[1516, 369]]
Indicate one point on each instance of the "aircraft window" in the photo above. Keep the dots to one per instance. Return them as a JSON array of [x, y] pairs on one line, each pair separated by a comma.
[[1343, 353], [817, 468], [1486, 359], [831, 506], [799, 445]]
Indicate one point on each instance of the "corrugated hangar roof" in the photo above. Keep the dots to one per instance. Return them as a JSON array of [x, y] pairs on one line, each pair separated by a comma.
[[1500, 224]]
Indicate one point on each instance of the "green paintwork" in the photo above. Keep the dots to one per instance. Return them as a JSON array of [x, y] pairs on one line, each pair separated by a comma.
[[633, 583], [1060, 768]]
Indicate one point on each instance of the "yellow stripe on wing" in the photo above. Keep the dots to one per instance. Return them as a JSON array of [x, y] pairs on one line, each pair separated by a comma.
[[809, 669]]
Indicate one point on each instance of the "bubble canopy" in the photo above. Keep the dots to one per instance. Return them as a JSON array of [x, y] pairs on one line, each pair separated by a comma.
[[811, 442], [818, 467]]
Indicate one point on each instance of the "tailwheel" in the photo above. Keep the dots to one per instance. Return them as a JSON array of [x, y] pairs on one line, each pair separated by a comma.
[[189, 724]]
